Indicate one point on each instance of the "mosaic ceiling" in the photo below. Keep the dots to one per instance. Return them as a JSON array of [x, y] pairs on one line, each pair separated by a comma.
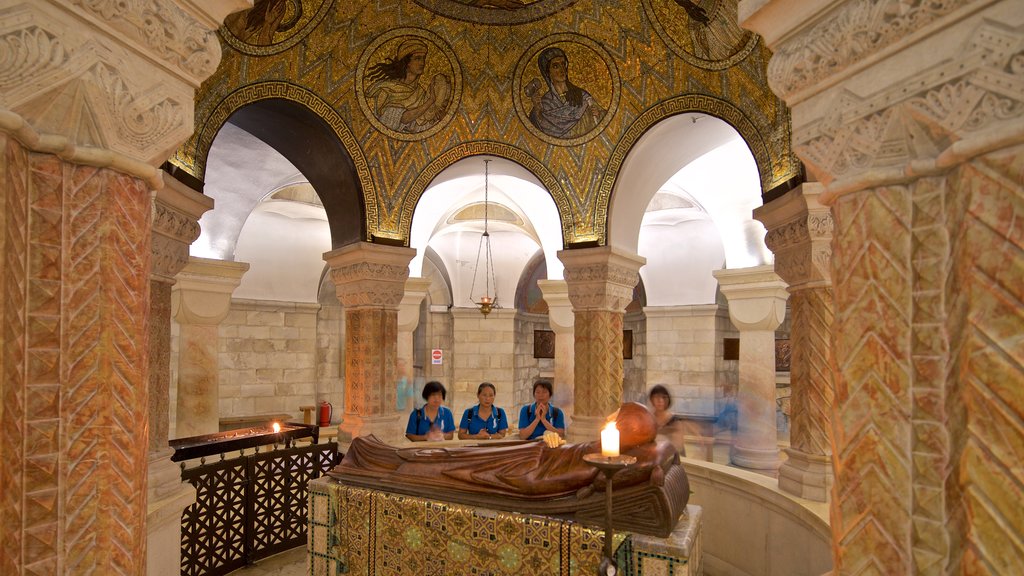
[[563, 87]]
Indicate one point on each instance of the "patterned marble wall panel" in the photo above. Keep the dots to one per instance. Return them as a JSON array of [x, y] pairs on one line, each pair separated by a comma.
[[483, 80], [811, 370], [872, 275], [76, 293], [990, 361], [368, 362], [598, 362]]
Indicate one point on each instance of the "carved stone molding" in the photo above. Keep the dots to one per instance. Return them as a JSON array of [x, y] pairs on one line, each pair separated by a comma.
[[370, 275], [202, 293], [800, 236], [601, 278], [115, 92], [176, 213], [860, 120]]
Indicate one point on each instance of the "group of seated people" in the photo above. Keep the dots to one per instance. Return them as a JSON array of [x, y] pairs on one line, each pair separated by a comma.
[[485, 421]]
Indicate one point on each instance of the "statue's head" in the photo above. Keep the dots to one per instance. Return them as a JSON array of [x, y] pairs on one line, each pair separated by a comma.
[[636, 425]]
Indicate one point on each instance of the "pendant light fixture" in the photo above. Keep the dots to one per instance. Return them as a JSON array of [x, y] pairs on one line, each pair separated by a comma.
[[486, 301]]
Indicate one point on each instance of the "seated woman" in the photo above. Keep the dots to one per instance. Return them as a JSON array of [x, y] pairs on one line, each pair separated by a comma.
[[670, 426], [537, 418], [485, 420], [433, 421]]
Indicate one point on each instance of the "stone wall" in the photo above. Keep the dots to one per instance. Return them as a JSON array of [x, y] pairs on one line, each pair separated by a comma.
[[634, 377], [527, 368], [330, 357], [483, 351], [268, 358]]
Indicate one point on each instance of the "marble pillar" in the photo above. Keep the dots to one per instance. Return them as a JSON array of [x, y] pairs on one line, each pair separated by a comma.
[[200, 299], [408, 319], [92, 101], [757, 305], [601, 282], [176, 213], [561, 319], [370, 283], [800, 236], [916, 132]]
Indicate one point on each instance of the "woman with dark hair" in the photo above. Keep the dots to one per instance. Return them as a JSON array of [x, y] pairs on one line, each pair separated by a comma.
[[398, 99], [433, 421], [485, 420], [670, 426], [537, 418], [565, 110]]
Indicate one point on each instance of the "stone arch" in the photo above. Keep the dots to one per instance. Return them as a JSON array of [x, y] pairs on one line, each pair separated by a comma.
[[774, 166], [485, 148], [317, 142]]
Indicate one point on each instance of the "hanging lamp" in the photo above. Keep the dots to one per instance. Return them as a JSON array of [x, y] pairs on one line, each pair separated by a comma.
[[487, 301]]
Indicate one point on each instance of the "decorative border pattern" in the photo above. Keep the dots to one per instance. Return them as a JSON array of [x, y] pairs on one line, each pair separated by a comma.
[[494, 16], [501, 150], [192, 155]]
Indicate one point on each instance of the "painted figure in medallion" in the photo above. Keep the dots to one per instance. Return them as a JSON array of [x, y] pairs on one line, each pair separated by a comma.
[[565, 110], [258, 25], [396, 96]]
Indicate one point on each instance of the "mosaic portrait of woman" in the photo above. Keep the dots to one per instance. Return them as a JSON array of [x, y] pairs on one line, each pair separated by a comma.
[[408, 85], [565, 91]]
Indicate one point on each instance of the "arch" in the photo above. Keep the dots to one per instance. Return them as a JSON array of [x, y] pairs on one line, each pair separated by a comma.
[[774, 170], [317, 142], [485, 148]]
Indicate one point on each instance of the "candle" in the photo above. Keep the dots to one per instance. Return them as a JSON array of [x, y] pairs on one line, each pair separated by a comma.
[[610, 440], [277, 429]]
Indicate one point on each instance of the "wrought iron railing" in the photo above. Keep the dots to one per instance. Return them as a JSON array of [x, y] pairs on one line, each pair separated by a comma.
[[251, 506]]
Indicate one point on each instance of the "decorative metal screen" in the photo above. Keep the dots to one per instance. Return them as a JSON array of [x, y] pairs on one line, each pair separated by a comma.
[[248, 508]]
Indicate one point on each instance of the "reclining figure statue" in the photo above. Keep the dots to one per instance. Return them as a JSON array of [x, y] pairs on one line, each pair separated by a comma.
[[530, 477]]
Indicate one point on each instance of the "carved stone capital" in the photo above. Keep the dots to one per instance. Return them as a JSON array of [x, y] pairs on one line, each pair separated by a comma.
[[176, 212], [860, 121], [409, 310], [202, 292], [757, 297], [556, 294], [601, 278], [370, 275], [800, 236], [106, 82]]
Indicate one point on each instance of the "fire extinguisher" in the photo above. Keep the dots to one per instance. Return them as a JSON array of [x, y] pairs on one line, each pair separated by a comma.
[[326, 410]]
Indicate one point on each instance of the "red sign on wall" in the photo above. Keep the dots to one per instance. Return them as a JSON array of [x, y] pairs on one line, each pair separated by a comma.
[[436, 356]]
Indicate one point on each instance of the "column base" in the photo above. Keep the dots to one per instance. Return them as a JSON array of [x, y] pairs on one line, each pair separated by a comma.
[[168, 497], [389, 428], [806, 475], [584, 428], [754, 458]]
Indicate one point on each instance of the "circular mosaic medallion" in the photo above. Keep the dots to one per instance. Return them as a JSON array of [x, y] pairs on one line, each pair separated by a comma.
[[272, 26], [408, 83], [704, 33], [495, 11], [565, 89]]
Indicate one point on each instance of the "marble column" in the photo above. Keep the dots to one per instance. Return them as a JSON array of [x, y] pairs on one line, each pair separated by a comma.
[[92, 101], [757, 305], [917, 133], [370, 283], [601, 282], [200, 300], [561, 319], [800, 235], [176, 213], [416, 290]]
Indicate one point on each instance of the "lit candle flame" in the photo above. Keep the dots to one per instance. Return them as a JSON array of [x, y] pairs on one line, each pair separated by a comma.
[[277, 427], [610, 440]]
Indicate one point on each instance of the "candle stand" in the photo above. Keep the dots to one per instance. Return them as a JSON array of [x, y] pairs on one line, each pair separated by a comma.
[[609, 465]]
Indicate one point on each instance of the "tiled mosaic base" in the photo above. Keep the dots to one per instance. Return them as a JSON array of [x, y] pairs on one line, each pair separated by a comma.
[[392, 534]]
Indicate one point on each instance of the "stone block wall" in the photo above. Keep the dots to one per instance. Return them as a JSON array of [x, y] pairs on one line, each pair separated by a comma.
[[684, 353], [483, 351], [268, 358], [634, 377], [527, 368], [330, 358]]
